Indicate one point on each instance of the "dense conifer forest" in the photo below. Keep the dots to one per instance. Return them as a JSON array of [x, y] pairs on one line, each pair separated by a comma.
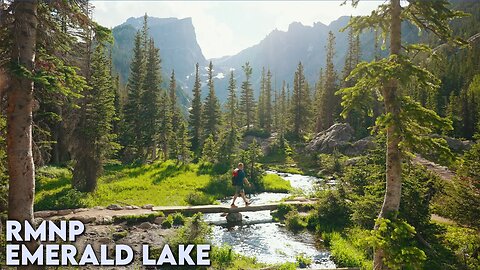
[[70, 127]]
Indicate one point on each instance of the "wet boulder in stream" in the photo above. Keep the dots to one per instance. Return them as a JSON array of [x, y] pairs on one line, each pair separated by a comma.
[[233, 218]]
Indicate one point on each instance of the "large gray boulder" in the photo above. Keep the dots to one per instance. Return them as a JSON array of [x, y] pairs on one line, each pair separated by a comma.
[[360, 147], [337, 137]]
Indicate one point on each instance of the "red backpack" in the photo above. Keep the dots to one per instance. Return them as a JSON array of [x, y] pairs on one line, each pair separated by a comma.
[[234, 176]]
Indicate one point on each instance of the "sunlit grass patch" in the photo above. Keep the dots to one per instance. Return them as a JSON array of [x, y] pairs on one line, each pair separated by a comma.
[[164, 183], [275, 183], [159, 183]]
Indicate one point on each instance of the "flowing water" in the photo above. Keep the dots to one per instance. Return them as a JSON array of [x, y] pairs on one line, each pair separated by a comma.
[[270, 242]]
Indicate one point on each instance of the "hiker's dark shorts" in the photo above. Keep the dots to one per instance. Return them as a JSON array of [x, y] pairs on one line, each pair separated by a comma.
[[239, 189]]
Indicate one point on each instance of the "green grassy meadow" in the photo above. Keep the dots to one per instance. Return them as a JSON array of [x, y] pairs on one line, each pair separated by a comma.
[[159, 183]]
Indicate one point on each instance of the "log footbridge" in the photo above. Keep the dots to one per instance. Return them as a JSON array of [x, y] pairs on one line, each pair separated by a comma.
[[207, 209]]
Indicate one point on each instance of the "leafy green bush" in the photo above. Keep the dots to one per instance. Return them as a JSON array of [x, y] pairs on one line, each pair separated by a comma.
[[397, 239], [178, 219], [205, 168], [282, 211], [295, 222], [195, 232], [167, 222], [221, 168], [119, 235], [331, 163], [465, 243], [222, 257], [303, 261], [331, 212], [67, 198]]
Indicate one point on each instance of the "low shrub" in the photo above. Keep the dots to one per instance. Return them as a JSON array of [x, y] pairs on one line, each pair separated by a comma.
[[397, 239], [465, 243], [168, 222], [295, 222], [222, 257], [331, 163], [331, 212], [303, 261], [282, 211], [178, 219]]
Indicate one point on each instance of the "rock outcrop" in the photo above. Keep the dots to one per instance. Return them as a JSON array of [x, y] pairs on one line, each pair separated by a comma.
[[337, 137]]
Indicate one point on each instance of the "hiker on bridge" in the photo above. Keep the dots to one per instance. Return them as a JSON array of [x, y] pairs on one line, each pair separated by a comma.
[[239, 180]]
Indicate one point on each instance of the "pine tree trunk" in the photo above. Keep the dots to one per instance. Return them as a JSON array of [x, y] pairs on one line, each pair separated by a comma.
[[393, 191], [19, 117]]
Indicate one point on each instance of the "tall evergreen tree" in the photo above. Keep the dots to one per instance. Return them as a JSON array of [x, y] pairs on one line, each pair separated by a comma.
[[149, 101], [95, 123], [275, 108], [165, 123], [230, 140], [405, 122], [329, 104], [131, 125], [21, 168], [20, 48], [261, 113], [247, 101], [464, 110], [195, 114], [319, 89], [299, 103], [175, 117], [145, 36], [282, 111], [267, 102], [232, 102], [211, 108], [359, 119], [210, 150], [183, 142]]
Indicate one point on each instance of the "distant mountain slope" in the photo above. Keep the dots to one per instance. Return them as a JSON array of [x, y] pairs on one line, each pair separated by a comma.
[[175, 38], [178, 46], [280, 50]]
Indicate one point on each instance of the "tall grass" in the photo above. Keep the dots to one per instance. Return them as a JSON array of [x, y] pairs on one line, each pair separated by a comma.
[[275, 183], [166, 183], [159, 183]]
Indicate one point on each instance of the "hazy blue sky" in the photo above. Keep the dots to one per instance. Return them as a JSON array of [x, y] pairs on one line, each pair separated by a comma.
[[227, 27]]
